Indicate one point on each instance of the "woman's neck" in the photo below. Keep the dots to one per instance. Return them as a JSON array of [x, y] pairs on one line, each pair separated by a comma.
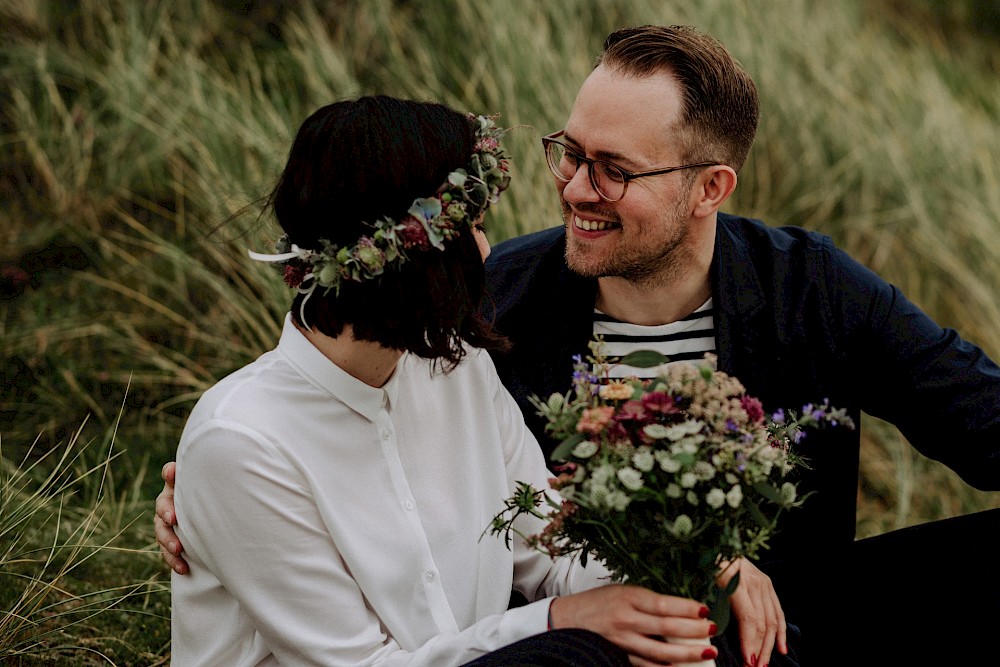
[[367, 361]]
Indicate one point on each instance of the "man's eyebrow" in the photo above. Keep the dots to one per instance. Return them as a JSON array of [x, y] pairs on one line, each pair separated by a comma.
[[607, 156]]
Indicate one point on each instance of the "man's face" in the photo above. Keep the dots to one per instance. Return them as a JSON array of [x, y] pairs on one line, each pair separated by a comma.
[[644, 237]]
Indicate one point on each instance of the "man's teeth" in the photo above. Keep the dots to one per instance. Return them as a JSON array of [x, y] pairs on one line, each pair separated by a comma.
[[593, 225]]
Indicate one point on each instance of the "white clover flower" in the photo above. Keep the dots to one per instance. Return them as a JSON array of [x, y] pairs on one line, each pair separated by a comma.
[[618, 500], [688, 480], [655, 431], [703, 470], [735, 496], [678, 431], [666, 461], [585, 449], [685, 446], [732, 478], [692, 497], [602, 474], [630, 478], [682, 526], [674, 490], [715, 498], [788, 493], [599, 495], [643, 459]]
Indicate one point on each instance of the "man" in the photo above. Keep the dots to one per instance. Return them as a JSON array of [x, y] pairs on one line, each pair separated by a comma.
[[649, 155]]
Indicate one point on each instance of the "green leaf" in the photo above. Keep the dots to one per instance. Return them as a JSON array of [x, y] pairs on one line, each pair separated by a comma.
[[565, 448], [643, 359], [768, 491]]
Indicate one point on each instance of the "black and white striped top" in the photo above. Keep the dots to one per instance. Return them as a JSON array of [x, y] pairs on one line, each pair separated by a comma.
[[686, 340]]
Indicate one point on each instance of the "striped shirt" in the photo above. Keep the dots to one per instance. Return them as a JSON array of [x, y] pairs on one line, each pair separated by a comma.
[[686, 340]]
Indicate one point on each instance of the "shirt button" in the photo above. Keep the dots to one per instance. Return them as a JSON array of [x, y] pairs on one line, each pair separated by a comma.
[[408, 504], [385, 434], [428, 576]]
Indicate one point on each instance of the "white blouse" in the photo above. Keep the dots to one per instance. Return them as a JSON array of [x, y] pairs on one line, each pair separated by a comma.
[[328, 522]]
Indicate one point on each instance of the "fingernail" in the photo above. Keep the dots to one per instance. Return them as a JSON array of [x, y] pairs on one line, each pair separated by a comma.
[[169, 518], [173, 548], [753, 660], [703, 612], [712, 629], [709, 654]]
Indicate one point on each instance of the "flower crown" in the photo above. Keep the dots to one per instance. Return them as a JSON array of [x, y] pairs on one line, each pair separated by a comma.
[[463, 197]]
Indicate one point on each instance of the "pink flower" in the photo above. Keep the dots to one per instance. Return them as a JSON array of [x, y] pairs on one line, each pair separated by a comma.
[[633, 411], [593, 420], [753, 407]]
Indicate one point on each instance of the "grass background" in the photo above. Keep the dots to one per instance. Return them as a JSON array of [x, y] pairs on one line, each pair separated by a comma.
[[131, 132]]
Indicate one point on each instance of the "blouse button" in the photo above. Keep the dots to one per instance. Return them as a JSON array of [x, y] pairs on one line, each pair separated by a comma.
[[428, 576], [408, 504], [385, 434]]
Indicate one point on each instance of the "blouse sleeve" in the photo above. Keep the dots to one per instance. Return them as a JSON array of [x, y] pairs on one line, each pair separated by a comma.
[[536, 574]]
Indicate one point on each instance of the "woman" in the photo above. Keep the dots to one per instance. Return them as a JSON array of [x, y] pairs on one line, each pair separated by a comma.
[[331, 495]]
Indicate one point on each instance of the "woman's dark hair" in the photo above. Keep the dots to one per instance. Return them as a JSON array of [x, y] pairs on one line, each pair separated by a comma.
[[355, 162]]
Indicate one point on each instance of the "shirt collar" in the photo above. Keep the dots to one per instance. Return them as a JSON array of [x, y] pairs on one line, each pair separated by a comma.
[[313, 365]]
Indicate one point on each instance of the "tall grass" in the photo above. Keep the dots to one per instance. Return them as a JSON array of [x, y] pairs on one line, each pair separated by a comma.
[[62, 532], [136, 140]]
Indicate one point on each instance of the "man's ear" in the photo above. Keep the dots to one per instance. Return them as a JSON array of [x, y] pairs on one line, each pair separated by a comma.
[[712, 188]]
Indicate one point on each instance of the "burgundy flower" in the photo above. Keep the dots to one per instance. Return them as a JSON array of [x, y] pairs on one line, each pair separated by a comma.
[[413, 234], [295, 273], [659, 401], [753, 407]]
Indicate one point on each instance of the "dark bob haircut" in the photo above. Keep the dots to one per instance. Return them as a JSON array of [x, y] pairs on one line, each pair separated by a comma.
[[355, 162]]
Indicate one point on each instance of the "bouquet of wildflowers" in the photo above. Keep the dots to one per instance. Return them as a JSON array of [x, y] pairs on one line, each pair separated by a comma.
[[665, 480]]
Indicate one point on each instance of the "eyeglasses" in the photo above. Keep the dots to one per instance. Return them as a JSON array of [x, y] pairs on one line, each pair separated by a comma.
[[608, 179]]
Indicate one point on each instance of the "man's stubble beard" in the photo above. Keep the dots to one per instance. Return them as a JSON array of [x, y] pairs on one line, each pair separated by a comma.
[[643, 266]]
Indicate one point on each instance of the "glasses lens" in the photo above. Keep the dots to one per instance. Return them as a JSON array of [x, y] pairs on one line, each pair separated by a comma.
[[561, 164], [609, 180]]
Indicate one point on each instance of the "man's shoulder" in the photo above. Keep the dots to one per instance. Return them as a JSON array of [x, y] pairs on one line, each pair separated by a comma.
[[752, 233], [519, 265], [527, 249]]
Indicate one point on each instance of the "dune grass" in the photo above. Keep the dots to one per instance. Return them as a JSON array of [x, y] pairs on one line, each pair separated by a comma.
[[136, 140]]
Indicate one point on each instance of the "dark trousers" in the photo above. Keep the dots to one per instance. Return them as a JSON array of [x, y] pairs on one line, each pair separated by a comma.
[[569, 647], [924, 595]]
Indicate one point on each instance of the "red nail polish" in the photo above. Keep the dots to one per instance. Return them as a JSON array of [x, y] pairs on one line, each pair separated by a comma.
[[753, 660], [703, 612], [709, 654], [712, 629]]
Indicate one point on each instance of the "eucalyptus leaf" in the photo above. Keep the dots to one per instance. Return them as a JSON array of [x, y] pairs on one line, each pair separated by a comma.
[[643, 359]]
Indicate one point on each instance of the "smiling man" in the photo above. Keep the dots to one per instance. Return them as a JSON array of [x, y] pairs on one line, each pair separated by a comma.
[[648, 156]]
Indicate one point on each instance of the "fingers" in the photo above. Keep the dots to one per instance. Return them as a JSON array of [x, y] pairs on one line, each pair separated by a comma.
[[165, 519], [170, 546], [761, 618], [636, 619]]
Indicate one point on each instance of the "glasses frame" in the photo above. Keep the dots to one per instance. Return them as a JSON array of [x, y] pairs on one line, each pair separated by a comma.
[[628, 175]]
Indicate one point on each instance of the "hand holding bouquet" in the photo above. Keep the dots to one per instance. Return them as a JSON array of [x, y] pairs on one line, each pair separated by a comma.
[[665, 480]]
